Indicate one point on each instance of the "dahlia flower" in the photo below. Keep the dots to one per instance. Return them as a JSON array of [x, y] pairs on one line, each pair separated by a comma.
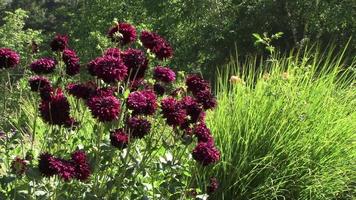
[[213, 186], [45, 164], [59, 42], [193, 108], [109, 68], [164, 74], [8, 58], [173, 111], [206, 153], [38, 82], [196, 83], [114, 52], [158, 45], [142, 102], [138, 127], [119, 139], [81, 165], [104, 108], [207, 99], [71, 61], [56, 110], [136, 63], [82, 90], [203, 133], [43, 66], [127, 33]]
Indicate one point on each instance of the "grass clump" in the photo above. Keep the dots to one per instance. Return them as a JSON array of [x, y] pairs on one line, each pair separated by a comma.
[[287, 130]]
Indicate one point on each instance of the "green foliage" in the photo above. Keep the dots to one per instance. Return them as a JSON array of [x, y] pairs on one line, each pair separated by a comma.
[[286, 130], [14, 35]]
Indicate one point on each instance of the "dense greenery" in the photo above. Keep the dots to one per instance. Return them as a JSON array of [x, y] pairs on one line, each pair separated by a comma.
[[203, 32]]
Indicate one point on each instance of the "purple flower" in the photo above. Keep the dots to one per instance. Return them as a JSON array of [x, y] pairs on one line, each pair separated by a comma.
[[158, 45], [82, 90], [109, 68], [114, 52], [203, 133], [38, 82], [71, 61], [81, 165], [56, 110], [43, 66], [19, 166], [127, 31], [173, 111], [213, 186], [206, 153], [142, 102], [136, 63], [193, 108], [104, 108], [196, 83], [8, 58], [65, 169], [45, 165], [164, 74], [138, 127], [59, 42], [119, 139], [207, 99]]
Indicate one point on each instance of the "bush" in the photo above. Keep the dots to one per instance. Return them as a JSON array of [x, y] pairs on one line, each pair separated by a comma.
[[287, 130]]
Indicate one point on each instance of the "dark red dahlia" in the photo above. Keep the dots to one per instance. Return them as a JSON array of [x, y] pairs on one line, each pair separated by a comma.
[[158, 45], [19, 166], [123, 32], [43, 66], [82, 90], [8, 58], [110, 69], [119, 139], [46, 93], [207, 99], [196, 83], [114, 52], [164, 74], [92, 65], [105, 91], [138, 127], [206, 153], [202, 132], [65, 169], [59, 42], [193, 108], [81, 165], [38, 82], [56, 110], [142, 102], [163, 50], [159, 89], [45, 164], [173, 111], [148, 39], [136, 63], [71, 60], [213, 186], [104, 108]]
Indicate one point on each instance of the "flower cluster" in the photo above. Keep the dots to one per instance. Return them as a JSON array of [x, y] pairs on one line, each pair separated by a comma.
[[104, 108], [8, 58], [108, 68], [164, 74], [158, 45], [77, 167]]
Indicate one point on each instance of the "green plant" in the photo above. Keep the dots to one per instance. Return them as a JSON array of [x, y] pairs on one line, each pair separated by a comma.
[[286, 130]]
